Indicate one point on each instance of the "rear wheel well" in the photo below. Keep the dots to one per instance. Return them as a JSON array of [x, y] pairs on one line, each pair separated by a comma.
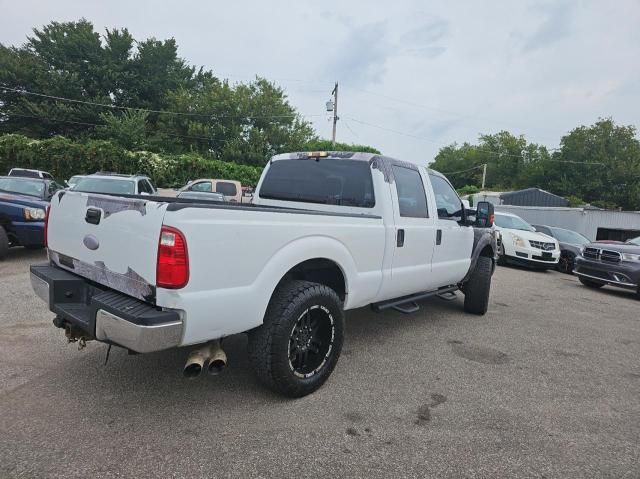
[[487, 251], [319, 270]]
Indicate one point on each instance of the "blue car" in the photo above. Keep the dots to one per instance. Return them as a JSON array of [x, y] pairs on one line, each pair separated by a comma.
[[23, 204]]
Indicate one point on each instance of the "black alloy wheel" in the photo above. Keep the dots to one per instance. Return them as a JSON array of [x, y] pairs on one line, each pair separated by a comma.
[[311, 341]]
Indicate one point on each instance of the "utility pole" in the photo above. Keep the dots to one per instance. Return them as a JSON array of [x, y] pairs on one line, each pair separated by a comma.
[[484, 175], [335, 113]]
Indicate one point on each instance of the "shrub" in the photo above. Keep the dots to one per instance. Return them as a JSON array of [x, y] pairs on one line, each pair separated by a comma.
[[64, 158]]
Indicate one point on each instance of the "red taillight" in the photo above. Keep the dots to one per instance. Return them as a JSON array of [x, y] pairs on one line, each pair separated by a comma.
[[173, 260], [46, 226]]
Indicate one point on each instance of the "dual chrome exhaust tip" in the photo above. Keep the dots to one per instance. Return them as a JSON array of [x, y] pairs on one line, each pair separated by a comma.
[[210, 356]]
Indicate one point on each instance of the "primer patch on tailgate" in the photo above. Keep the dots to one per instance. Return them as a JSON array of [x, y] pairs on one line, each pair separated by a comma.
[[130, 283], [111, 206]]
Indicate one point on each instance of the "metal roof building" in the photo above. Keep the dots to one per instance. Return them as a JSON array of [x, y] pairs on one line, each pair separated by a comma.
[[526, 197], [532, 197], [593, 223]]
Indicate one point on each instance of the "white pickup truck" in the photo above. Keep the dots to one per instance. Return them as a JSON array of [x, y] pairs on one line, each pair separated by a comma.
[[327, 232]]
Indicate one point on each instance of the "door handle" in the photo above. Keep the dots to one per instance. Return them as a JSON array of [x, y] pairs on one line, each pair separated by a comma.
[[400, 239], [93, 216], [438, 237]]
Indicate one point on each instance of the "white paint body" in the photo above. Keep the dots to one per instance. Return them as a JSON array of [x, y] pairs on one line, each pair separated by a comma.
[[238, 255], [517, 243]]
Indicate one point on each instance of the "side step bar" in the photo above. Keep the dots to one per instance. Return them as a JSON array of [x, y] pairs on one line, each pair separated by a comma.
[[408, 305]]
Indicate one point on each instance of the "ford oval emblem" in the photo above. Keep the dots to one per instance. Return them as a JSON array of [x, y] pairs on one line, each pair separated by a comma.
[[91, 242]]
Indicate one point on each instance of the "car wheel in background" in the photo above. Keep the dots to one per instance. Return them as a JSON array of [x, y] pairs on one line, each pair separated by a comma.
[[297, 347], [590, 284], [4, 243], [502, 258], [567, 260], [476, 290]]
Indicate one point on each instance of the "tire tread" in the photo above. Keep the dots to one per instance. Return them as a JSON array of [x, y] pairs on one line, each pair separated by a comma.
[[286, 299], [477, 289]]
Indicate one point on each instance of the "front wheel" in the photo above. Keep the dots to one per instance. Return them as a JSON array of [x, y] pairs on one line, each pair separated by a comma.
[[590, 284], [476, 290], [296, 349], [502, 257], [566, 262], [4, 243]]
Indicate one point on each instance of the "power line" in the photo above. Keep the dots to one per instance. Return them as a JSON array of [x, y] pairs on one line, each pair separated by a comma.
[[398, 132], [457, 115], [452, 173], [146, 110], [84, 123]]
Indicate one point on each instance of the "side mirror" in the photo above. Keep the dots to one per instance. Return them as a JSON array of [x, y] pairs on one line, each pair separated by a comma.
[[485, 214]]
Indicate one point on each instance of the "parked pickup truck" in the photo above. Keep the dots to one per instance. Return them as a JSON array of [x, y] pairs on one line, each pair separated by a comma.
[[327, 232], [23, 202]]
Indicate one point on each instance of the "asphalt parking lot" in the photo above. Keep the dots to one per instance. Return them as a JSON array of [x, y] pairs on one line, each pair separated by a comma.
[[547, 384]]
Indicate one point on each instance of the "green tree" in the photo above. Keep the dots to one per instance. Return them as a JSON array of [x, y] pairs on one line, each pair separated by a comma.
[[128, 129], [511, 161], [599, 163], [318, 144]]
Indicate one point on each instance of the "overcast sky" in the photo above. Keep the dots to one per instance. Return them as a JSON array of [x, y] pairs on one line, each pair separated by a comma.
[[414, 75]]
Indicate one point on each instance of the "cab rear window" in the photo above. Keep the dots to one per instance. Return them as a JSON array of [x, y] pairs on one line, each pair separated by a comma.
[[226, 188], [325, 181]]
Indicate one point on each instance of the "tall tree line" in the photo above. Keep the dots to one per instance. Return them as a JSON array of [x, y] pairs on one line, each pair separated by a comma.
[[598, 164], [123, 88]]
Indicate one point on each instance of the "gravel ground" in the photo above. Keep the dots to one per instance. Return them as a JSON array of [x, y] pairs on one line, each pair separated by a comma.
[[547, 384]]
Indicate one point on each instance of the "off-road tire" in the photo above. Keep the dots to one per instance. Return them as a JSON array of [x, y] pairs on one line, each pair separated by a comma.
[[477, 288], [4, 243], [269, 344], [590, 284]]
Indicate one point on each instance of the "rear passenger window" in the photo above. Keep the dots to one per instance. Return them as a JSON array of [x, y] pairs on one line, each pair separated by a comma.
[[226, 188], [412, 200]]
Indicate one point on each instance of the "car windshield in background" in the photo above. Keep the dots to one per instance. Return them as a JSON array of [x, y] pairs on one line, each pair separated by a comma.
[[325, 181], [105, 185], [512, 222], [22, 186], [568, 236], [635, 241], [24, 173]]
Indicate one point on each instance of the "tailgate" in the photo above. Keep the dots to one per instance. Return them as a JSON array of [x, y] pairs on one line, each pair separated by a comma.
[[111, 240]]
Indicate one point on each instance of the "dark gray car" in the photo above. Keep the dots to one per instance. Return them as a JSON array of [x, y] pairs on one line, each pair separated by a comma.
[[571, 244], [610, 264]]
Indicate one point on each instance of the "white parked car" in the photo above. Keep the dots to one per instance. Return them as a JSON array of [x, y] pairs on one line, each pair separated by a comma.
[[519, 243], [114, 183], [327, 232], [27, 173]]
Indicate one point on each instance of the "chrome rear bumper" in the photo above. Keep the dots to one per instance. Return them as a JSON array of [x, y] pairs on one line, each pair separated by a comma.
[[94, 312]]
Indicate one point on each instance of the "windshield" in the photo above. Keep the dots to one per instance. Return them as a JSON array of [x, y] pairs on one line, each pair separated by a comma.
[[568, 236], [635, 241], [512, 222], [23, 186], [105, 185]]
